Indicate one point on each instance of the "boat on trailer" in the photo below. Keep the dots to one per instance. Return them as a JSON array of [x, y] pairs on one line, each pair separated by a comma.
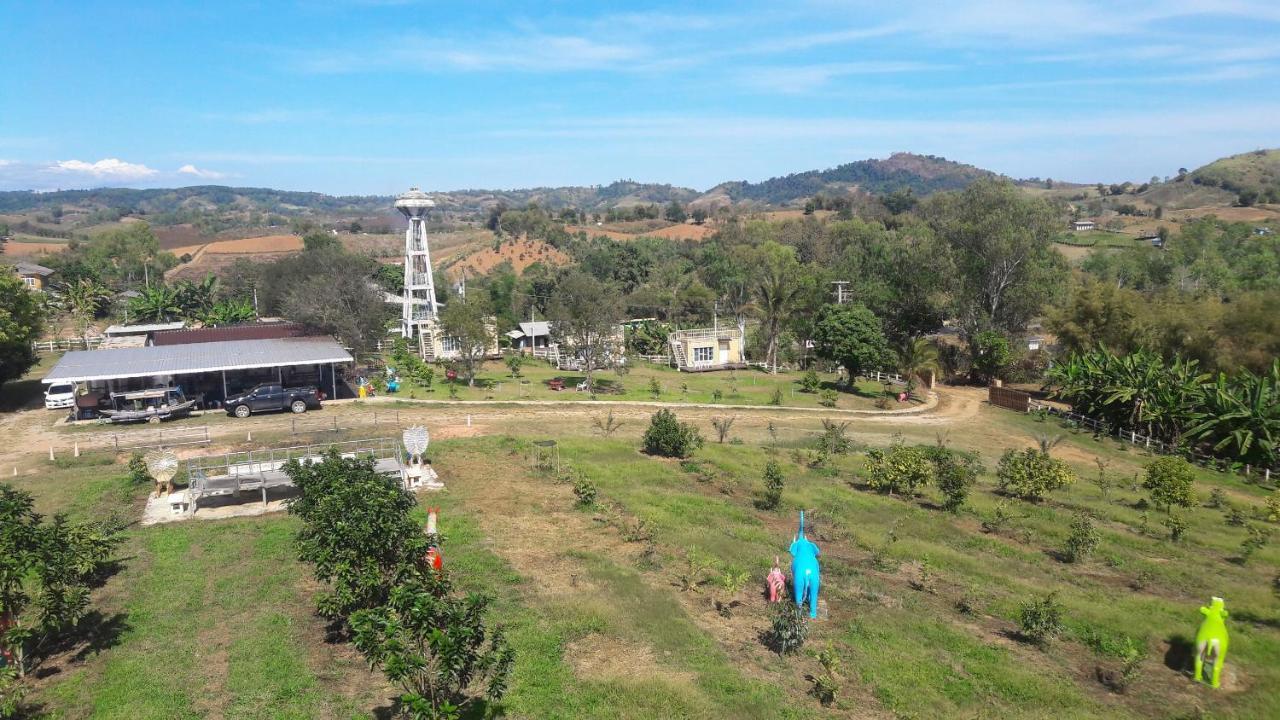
[[153, 406]]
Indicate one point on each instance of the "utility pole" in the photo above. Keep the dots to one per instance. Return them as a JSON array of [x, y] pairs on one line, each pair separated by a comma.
[[715, 317], [841, 291]]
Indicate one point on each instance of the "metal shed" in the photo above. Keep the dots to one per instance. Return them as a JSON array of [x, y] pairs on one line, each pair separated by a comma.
[[200, 363]]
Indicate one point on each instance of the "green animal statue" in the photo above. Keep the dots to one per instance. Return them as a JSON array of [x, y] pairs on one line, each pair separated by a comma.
[[1211, 641]]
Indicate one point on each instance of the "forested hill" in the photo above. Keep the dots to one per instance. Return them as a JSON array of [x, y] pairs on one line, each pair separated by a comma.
[[922, 174], [208, 197]]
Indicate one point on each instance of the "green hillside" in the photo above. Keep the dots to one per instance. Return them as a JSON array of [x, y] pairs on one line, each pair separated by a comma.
[[1253, 177], [923, 174]]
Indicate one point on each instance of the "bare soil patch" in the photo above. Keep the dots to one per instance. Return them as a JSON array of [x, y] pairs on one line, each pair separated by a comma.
[[520, 253]]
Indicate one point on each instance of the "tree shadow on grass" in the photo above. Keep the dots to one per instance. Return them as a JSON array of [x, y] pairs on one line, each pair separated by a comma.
[[94, 633], [20, 395], [1180, 654]]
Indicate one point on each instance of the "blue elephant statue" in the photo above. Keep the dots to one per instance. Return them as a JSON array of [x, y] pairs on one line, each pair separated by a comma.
[[805, 575]]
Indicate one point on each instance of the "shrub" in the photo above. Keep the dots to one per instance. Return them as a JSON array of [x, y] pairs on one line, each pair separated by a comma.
[[514, 362], [1217, 498], [1177, 526], [1169, 481], [1273, 506], [810, 383], [901, 469], [138, 472], [776, 398], [730, 584], [716, 395], [585, 491], [655, 390], [1030, 474], [1041, 620], [773, 484], [11, 693], [668, 437], [835, 437], [788, 629], [999, 518], [436, 647], [1255, 541], [1236, 517], [696, 565], [722, 426], [1083, 540], [827, 398], [606, 425], [955, 472], [826, 685]]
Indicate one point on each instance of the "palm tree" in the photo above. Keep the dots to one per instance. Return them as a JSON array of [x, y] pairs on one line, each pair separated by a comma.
[[775, 286], [84, 299], [916, 357], [157, 303]]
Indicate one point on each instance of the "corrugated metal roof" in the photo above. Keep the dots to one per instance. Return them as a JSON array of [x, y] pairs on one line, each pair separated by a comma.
[[30, 268], [85, 365], [535, 329], [143, 329], [225, 333]]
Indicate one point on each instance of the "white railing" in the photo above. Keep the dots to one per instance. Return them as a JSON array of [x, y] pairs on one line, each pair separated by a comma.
[[140, 440], [1155, 445], [68, 344], [725, 333]]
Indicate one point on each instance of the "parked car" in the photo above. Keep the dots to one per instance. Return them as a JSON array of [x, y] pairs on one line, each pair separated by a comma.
[[60, 395], [271, 396]]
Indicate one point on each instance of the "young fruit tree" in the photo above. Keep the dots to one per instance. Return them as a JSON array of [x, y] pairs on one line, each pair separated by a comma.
[[1031, 474], [436, 646], [668, 437], [1169, 480], [46, 572], [356, 533]]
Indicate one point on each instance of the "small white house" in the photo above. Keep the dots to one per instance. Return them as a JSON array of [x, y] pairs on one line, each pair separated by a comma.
[[1082, 225]]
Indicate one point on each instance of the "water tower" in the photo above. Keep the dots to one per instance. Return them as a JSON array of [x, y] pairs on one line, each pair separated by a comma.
[[419, 305]]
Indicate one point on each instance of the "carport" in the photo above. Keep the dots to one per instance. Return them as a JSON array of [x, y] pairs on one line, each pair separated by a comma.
[[214, 370]]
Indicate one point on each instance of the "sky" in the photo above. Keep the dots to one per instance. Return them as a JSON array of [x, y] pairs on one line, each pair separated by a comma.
[[372, 96]]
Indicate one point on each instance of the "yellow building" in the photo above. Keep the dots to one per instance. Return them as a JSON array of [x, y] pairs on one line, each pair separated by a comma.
[[434, 345], [33, 275], [708, 349]]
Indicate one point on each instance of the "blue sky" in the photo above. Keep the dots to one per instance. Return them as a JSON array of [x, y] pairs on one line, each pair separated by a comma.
[[370, 96]]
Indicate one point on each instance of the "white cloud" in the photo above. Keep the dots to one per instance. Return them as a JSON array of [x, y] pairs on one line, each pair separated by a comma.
[[535, 52], [190, 169], [108, 168], [804, 78]]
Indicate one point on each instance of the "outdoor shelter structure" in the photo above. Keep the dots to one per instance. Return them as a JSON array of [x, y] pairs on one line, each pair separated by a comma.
[[212, 369]]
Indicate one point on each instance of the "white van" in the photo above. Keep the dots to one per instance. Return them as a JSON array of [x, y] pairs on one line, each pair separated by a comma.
[[60, 395]]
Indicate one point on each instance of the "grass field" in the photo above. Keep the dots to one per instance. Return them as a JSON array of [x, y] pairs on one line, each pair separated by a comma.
[[741, 387], [213, 618]]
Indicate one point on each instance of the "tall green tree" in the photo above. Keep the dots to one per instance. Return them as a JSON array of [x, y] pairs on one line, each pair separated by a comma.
[[21, 322], [85, 299], [775, 284], [468, 322], [852, 336], [585, 313], [1002, 240]]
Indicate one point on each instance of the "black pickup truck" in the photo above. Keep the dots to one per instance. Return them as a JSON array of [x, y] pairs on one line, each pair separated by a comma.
[[271, 396]]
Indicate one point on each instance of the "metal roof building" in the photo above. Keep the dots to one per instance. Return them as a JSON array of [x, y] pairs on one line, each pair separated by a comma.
[[209, 357]]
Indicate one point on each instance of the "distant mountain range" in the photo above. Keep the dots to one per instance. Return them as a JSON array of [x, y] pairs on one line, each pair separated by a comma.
[[1256, 173]]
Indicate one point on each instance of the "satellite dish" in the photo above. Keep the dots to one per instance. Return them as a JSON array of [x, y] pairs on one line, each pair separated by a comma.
[[416, 439], [162, 464]]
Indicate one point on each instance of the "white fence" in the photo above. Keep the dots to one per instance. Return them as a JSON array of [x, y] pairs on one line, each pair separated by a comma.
[[1155, 445], [300, 424], [67, 344], [164, 437]]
